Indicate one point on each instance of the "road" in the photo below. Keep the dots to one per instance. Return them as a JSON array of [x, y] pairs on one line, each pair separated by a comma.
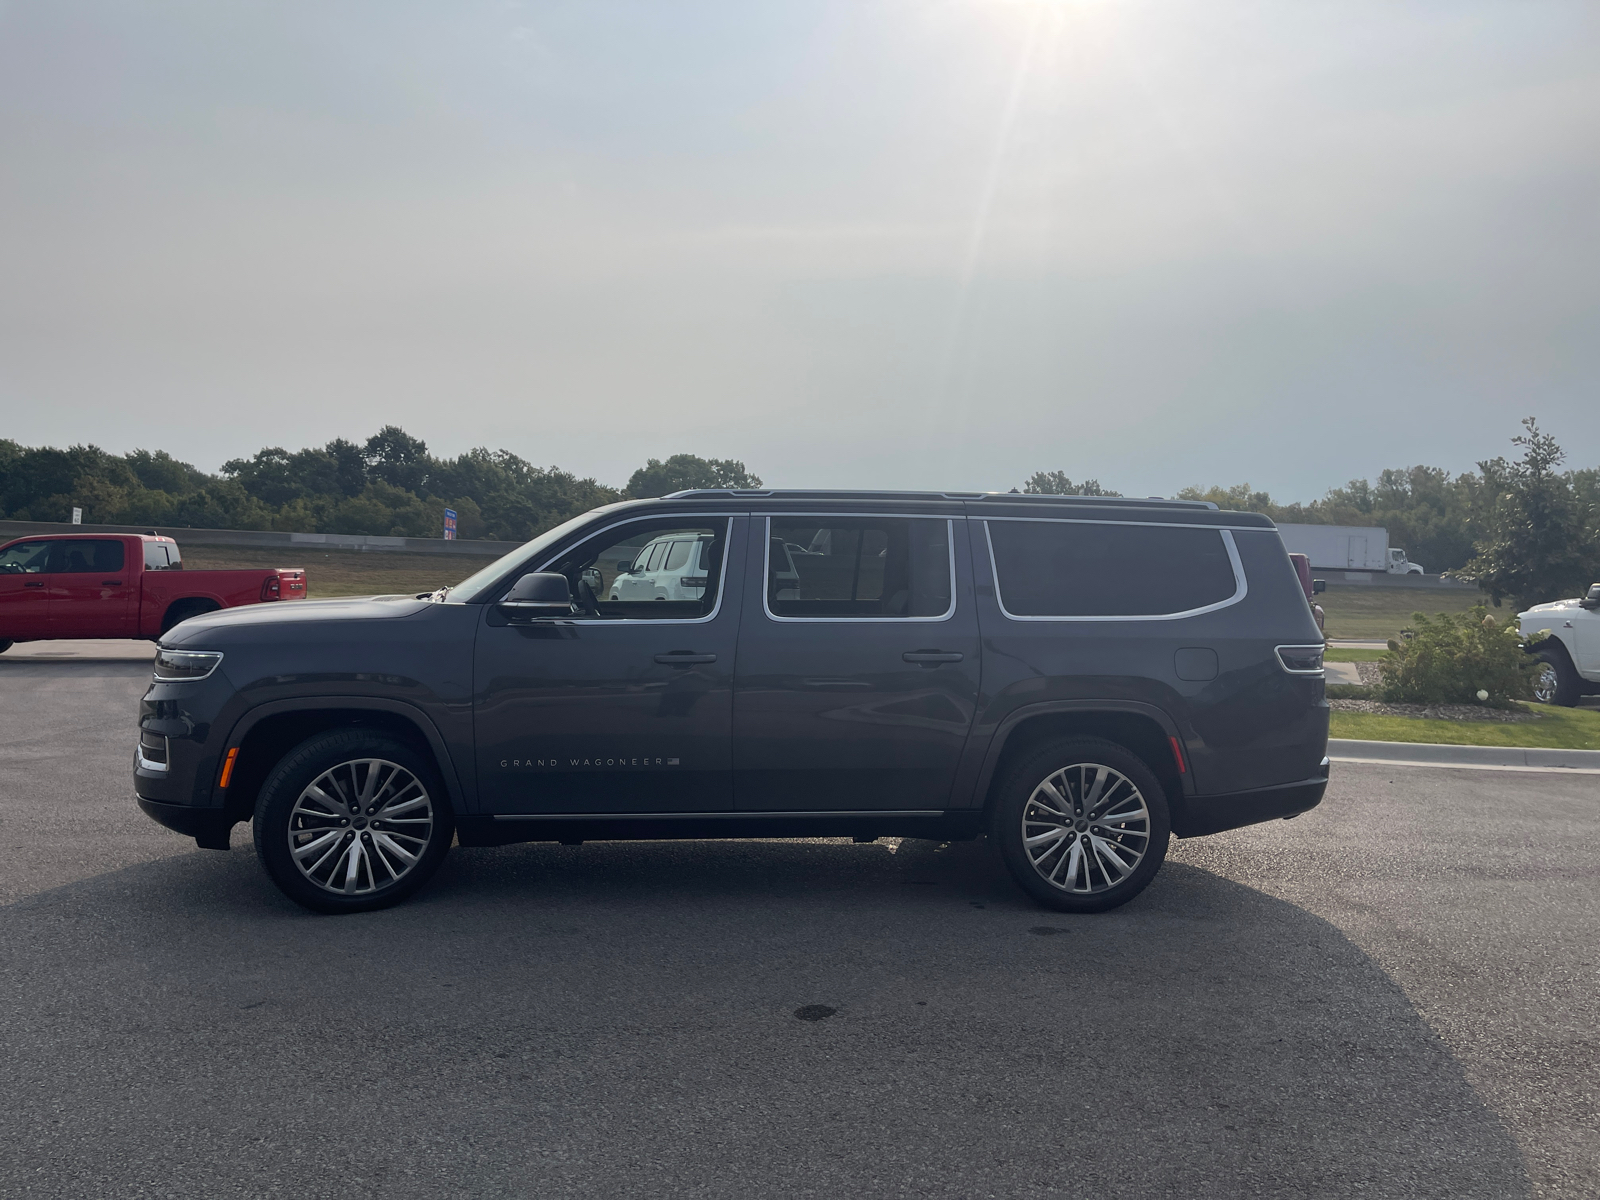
[[1394, 995]]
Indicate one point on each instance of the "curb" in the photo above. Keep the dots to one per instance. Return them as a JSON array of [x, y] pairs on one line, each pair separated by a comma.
[[1485, 758]]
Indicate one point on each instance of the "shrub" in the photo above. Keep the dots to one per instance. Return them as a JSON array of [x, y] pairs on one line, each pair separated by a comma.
[[1450, 658]]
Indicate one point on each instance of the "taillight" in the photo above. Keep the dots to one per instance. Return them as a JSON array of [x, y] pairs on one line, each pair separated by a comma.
[[271, 589]]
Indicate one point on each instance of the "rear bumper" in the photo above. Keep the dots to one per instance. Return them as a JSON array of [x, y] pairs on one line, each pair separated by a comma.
[[209, 827], [1200, 815]]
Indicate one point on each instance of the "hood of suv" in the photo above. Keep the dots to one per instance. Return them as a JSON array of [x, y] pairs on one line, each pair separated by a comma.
[[303, 612]]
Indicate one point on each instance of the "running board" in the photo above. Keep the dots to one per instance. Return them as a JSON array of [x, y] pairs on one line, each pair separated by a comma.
[[499, 829]]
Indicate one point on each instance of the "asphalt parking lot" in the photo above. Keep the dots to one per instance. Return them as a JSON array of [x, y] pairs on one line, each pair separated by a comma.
[[1395, 995]]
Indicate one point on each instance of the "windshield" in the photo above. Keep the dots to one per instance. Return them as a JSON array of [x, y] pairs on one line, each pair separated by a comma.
[[473, 586]]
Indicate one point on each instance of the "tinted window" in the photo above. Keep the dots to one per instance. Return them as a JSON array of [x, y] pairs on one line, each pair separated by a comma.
[[858, 567], [155, 556], [606, 592], [1063, 569], [25, 558], [90, 557]]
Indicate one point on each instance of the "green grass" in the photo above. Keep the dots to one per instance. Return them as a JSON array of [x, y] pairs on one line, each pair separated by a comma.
[[1561, 728], [1380, 613], [332, 573], [1349, 654]]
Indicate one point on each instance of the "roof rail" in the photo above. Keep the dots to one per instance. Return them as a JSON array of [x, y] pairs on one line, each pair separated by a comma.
[[860, 494]]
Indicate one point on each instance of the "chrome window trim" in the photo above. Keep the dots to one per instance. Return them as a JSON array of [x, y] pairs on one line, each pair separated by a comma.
[[722, 579], [1320, 673], [766, 569], [1241, 589]]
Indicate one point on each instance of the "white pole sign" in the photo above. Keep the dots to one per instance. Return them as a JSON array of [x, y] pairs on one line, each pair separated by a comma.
[[77, 516]]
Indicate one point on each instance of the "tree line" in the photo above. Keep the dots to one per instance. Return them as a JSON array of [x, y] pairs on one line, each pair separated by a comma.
[[389, 485], [1521, 527]]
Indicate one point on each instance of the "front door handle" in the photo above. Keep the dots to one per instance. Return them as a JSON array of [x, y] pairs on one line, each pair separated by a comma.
[[31, 583], [111, 583], [683, 658], [931, 656]]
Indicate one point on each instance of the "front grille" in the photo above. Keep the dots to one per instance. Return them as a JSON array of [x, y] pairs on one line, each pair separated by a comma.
[[152, 747]]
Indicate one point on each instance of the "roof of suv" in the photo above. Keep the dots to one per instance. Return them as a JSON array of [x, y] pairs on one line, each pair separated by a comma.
[[1007, 497], [1153, 509]]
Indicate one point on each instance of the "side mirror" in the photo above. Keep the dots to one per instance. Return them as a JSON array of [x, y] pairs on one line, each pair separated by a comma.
[[538, 594], [1592, 600], [1318, 586], [624, 567]]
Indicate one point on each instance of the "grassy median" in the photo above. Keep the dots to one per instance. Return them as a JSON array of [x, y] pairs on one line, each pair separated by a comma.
[[1380, 613], [1557, 728], [343, 572]]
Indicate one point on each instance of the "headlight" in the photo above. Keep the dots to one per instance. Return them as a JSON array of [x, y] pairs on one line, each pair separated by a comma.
[[176, 665]]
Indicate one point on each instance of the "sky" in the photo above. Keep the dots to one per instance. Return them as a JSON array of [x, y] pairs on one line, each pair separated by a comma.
[[937, 245]]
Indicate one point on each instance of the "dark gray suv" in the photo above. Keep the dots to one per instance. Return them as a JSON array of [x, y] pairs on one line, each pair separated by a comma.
[[1076, 678]]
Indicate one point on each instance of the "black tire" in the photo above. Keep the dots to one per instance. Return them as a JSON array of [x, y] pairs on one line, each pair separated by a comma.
[[183, 610], [5, 645], [356, 762], [1558, 681], [1114, 839]]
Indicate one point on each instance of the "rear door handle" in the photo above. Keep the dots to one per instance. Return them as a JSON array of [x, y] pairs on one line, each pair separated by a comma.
[[111, 583], [683, 658], [931, 656]]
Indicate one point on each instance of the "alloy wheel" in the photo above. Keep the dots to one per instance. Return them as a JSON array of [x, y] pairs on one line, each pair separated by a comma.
[[360, 826], [1085, 828], [1545, 684]]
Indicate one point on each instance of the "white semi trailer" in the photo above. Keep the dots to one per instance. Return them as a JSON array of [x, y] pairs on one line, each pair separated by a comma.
[[1347, 548]]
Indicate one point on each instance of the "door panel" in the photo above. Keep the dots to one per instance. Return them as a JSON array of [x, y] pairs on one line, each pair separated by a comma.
[[92, 589], [25, 590], [861, 709], [593, 715]]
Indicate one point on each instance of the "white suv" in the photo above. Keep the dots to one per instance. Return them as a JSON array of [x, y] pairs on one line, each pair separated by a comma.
[[1571, 653], [675, 567]]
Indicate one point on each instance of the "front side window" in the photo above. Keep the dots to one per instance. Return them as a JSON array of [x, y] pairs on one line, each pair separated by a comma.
[[859, 567], [25, 558], [90, 557], [643, 570], [1089, 569]]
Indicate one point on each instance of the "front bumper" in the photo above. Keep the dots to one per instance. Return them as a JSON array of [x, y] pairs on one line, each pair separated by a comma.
[[1200, 815], [209, 827]]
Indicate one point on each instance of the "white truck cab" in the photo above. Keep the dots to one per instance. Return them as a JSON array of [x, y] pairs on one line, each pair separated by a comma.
[[1571, 654], [1399, 565]]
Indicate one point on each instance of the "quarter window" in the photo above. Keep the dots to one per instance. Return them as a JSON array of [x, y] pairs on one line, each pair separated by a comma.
[[861, 567], [1086, 569]]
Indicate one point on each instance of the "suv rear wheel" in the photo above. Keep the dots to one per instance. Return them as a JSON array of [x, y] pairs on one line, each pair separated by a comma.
[[352, 820], [1081, 824]]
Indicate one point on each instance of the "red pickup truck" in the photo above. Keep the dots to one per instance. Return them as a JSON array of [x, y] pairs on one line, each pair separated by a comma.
[[94, 585]]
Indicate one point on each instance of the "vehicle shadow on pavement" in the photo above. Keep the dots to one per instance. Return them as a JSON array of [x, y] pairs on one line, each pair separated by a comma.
[[621, 1018]]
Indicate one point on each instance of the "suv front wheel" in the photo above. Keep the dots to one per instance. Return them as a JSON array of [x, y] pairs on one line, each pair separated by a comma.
[[1081, 824], [352, 820]]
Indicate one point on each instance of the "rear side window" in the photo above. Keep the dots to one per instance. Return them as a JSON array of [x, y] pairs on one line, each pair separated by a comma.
[[1084, 569], [861, 567], [155, 556], [90, 557]]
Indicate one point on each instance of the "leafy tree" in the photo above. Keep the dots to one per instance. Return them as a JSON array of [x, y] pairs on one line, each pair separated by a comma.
[[682, 472], [1537, 544], [395, 457], [1056, 483]]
